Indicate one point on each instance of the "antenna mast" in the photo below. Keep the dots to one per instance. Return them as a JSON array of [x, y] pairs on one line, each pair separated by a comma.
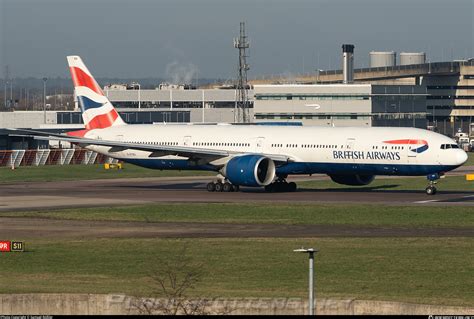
[[242, 102], [6, 81]]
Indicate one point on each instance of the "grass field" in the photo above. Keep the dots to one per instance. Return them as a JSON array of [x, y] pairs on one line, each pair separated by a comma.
[[470, 161], [321, 214], [422, 270], [84, 172]]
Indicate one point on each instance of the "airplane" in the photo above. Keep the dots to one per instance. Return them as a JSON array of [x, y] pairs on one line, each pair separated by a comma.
[[258, 155]]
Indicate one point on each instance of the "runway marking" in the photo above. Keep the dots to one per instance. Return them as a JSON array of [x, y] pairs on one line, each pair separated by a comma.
[[449, 200], [426, 201]]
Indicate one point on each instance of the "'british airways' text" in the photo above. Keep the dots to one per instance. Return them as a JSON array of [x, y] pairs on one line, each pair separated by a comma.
[[361, 155]]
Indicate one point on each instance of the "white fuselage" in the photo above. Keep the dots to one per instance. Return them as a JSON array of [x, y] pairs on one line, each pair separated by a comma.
[[329, 150]]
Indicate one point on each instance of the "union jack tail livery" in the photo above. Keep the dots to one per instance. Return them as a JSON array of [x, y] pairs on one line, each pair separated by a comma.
[[97, 111]]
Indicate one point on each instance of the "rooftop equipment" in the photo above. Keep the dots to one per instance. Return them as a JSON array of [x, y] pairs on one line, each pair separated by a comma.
[[382, 59], [412, 58], [348, 63]]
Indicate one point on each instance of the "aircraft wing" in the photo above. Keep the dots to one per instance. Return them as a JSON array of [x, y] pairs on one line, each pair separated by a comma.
[[196, 154], [31, 133]]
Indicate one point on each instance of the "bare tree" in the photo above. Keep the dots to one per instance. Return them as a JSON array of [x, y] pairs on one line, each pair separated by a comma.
[[172, 282]]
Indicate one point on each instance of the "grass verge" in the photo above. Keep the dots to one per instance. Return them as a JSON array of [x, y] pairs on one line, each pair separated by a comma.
[[50, 173], [470, 160], [322, 214], [421, 270]]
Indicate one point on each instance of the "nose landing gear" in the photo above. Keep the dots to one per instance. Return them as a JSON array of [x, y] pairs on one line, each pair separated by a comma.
[[432, 178], [431, 189]]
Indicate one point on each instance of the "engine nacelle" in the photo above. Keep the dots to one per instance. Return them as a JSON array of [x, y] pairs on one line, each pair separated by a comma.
[[250, 170], [353, 180]]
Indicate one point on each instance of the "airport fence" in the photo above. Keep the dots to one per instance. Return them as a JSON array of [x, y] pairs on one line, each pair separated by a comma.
[[64, 156]]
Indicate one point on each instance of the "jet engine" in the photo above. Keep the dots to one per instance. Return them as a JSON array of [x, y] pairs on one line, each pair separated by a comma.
[[250, 170], [353, 180]]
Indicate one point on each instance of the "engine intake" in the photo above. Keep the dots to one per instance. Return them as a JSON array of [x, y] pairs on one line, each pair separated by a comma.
[[353, 180], [250, 170]]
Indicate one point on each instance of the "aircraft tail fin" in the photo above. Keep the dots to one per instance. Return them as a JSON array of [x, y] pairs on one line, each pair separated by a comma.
[[97, 111]]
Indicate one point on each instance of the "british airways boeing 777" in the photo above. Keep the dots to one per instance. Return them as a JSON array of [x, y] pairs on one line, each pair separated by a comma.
[[259, 155]]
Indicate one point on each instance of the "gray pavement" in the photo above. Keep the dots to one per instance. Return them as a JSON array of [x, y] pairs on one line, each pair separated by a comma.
[[132, 191]]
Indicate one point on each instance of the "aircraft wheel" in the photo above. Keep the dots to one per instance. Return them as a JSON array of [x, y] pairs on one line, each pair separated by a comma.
[[269, 188], [227, 187], [430, 190], [211, 187], [219, 187], [282, 187], [291, 187], [236, 188]]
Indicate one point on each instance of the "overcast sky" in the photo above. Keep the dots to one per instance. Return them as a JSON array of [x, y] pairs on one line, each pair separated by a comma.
[[162, 38]]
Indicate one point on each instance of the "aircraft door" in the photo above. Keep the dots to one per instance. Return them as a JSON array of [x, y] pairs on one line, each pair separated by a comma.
[[411, 147], [350, 142], [187, 141], [113, 150], [411, 155], [259, 144], [350, 145]]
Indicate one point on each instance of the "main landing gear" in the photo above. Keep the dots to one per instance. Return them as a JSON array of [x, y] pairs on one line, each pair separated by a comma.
[[220, 186], [432, 178], [280, 185]]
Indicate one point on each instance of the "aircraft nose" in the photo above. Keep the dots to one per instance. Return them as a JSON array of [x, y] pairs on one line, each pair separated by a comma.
[[461, 157]]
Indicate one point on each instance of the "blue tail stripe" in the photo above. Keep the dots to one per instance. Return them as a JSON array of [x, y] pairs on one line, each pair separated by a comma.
[[87, 103]]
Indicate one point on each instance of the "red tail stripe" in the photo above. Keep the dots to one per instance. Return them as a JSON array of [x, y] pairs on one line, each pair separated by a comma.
[[80, 133], [407, 142], [102, 121], [80, 78]]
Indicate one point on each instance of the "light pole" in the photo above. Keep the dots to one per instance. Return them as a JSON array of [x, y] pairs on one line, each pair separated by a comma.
[[139, 97], [6, 85], [310, 252], [203, 103], [44, 98]]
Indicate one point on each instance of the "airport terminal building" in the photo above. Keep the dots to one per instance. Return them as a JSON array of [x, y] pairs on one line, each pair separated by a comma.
[[342, 104]]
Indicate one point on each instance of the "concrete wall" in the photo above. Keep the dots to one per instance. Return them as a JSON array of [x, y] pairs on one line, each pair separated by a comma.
[[90, 304], [26, 119]]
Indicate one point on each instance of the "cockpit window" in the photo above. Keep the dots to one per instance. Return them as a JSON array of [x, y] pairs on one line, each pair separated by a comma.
[[448, 146]]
